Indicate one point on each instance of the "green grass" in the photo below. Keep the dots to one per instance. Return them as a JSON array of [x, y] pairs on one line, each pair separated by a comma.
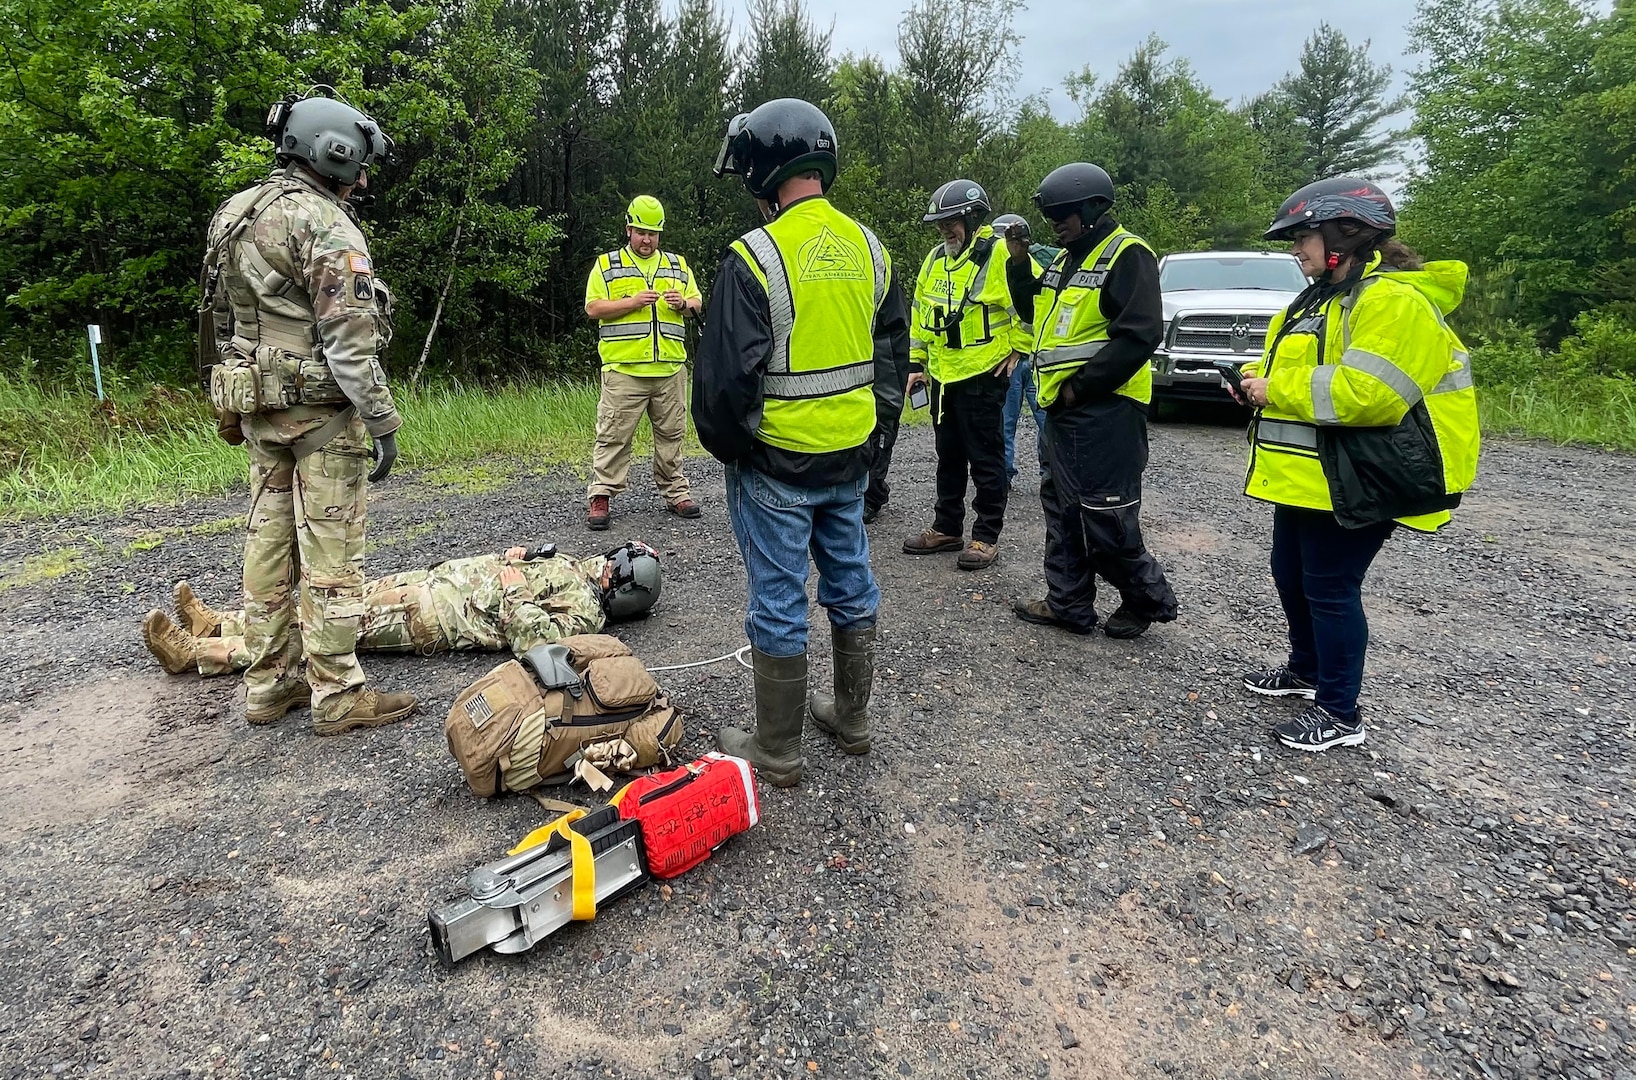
[[1593, 411], [65, 452]]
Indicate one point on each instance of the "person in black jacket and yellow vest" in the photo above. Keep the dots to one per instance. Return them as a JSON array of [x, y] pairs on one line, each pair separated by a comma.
[[1097, 318], [1367, 420], [798, 364]]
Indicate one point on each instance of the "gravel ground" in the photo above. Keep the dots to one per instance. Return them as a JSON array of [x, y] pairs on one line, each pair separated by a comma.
[[1066, 857]]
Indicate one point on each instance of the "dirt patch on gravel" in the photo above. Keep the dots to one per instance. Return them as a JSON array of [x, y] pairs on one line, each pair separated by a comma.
[[1056, 840]]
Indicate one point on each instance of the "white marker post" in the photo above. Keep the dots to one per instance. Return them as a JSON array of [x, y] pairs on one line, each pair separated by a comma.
[[94, 332]]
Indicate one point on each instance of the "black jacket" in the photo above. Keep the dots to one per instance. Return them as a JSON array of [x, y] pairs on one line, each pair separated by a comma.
[[733, 352], [1130, 300]]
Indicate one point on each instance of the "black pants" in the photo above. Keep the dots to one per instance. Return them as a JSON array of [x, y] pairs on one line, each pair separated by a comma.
[[968, 419], [1092, 495], [1319, 567]]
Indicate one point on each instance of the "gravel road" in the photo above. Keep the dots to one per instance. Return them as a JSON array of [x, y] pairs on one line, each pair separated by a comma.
[[1066, 857]]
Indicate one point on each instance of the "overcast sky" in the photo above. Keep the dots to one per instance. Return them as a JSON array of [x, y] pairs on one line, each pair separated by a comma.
[[1238, 47]]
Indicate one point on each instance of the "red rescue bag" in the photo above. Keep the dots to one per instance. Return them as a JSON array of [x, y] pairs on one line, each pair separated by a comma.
[[687, 813]]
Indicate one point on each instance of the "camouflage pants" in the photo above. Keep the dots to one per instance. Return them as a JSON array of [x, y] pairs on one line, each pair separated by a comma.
[[397, 618], [307, 525]]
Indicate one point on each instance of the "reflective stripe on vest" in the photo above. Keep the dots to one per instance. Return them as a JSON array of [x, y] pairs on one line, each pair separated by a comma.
[[657, 325], [1055, 365], [1286, 434]]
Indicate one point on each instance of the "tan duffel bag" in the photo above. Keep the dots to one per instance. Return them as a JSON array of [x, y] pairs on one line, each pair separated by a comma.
[[576, 708]]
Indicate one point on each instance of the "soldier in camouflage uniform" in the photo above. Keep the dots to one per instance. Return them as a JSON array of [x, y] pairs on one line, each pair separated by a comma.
[[515, 601], [291, 335]]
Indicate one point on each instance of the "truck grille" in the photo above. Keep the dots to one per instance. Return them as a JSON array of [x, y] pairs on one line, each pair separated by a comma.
[[1220, 333]]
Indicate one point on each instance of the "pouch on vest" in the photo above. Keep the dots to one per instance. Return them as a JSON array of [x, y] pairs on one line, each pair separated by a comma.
[[689, 812], [585, 700], [235, 384]]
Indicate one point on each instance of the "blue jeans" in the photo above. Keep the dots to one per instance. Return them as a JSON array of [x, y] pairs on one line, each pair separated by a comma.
[[1319, 568], [1022, 384], [777, 525]]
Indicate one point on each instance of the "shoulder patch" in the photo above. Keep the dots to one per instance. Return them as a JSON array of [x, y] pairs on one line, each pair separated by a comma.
[[358, 264]]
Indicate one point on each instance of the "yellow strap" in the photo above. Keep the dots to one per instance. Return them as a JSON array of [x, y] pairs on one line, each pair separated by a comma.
[[619, 796], [583, 862]]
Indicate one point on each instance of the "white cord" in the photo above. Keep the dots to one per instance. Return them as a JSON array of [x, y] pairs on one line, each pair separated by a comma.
[[740, 654]]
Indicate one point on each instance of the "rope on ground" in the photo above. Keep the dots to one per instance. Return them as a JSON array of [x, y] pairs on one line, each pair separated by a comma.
[[741, 654]]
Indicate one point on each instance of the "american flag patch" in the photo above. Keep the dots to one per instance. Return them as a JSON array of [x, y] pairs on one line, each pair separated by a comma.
[[478, 711], [359, 264]]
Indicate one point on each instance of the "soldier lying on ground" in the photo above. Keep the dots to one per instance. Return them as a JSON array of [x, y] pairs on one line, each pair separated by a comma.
[[523, 598]]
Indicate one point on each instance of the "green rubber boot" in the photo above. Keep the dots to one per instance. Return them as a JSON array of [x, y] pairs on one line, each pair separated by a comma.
[[845, 717], [774, 747]]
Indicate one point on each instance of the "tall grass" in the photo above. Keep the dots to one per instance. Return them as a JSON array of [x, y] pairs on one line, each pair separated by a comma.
[[65, 452], [1594, 411]]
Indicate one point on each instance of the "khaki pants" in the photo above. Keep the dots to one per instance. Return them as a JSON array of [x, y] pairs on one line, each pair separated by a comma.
[[306, 524], [624, 399]]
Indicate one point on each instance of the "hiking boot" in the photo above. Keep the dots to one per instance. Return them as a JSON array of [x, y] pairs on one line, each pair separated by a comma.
[[1125, 624], [774, 747], [1318, 729], [1039, 613], [870, 513], [685, 508], [597, 515], [977, 556], [176, 650], [1279, 682], [931, 542], [372, 708], [295, 695], [845, 715], [199, 620]]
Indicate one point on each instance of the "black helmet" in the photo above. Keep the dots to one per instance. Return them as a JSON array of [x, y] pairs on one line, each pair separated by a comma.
[[963, 199], [1340, 198], [633, 582], [1078, 188], [1006, 222], [782, 138]]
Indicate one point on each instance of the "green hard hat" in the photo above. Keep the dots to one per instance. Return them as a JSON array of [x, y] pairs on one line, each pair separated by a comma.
[[646, 212]]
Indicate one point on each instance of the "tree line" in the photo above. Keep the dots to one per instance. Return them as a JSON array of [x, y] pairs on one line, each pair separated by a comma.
[[524, 126]]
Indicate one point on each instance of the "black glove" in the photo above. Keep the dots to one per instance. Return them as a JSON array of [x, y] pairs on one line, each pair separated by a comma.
[[385, 454]]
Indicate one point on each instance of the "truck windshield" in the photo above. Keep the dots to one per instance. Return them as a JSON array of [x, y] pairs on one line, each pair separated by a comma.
[[1259, 272]]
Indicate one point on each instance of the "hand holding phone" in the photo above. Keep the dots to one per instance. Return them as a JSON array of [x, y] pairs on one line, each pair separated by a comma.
[[1232, 378], [920, 396]]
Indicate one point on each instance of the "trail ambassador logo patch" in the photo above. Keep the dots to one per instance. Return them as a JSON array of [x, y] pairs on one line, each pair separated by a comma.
[[827, 257]]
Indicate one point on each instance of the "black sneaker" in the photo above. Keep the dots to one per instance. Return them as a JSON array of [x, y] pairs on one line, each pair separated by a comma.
[[1279, 682], [1318, 729], [870, 513]]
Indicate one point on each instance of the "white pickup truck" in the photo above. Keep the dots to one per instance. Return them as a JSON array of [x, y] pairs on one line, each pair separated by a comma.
[[1217, 306]]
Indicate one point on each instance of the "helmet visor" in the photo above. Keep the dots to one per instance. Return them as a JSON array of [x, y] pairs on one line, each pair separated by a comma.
[[726, 164]]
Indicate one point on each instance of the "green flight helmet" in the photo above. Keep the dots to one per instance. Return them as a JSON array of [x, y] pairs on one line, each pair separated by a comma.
[[633, 581], [328, 136]]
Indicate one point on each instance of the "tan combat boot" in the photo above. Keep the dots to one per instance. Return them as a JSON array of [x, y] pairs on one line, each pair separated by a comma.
[[200, 620], [176, 650], [296, 695], [372, 708]]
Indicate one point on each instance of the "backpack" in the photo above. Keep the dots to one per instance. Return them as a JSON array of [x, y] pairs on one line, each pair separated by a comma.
[[563, 711]]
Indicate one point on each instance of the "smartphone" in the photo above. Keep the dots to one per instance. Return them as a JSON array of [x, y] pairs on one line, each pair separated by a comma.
[[1231, 375], [920, 397]]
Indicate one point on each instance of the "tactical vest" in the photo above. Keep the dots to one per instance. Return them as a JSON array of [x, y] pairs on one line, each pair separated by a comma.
[[817, 391], [1070, 328], [1413, 470], [962, 315], [652, 340], [274, 358]]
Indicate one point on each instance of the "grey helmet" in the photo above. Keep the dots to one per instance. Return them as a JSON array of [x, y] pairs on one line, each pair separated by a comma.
[[1004, 223], [633, 581], [330, 137]]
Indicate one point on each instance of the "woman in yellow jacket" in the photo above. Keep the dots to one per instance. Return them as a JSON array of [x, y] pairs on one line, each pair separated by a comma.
[[1366, 420]]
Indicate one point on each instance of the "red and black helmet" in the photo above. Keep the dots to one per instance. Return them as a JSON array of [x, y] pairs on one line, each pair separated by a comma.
[[1337, 199]]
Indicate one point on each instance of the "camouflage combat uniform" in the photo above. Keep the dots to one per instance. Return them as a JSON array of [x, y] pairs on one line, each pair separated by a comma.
[[298, 301], [456, 605]]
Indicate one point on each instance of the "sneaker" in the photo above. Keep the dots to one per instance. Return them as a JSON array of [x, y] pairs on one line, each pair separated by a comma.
[[373, 708], [597, 515], [175, 649], [977, 556], [1318, 729], [870, 513], [295, 695], [1125, 624], [685, 508], [931, 542], [1039, 613], [200, 621], [1279, 682]]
